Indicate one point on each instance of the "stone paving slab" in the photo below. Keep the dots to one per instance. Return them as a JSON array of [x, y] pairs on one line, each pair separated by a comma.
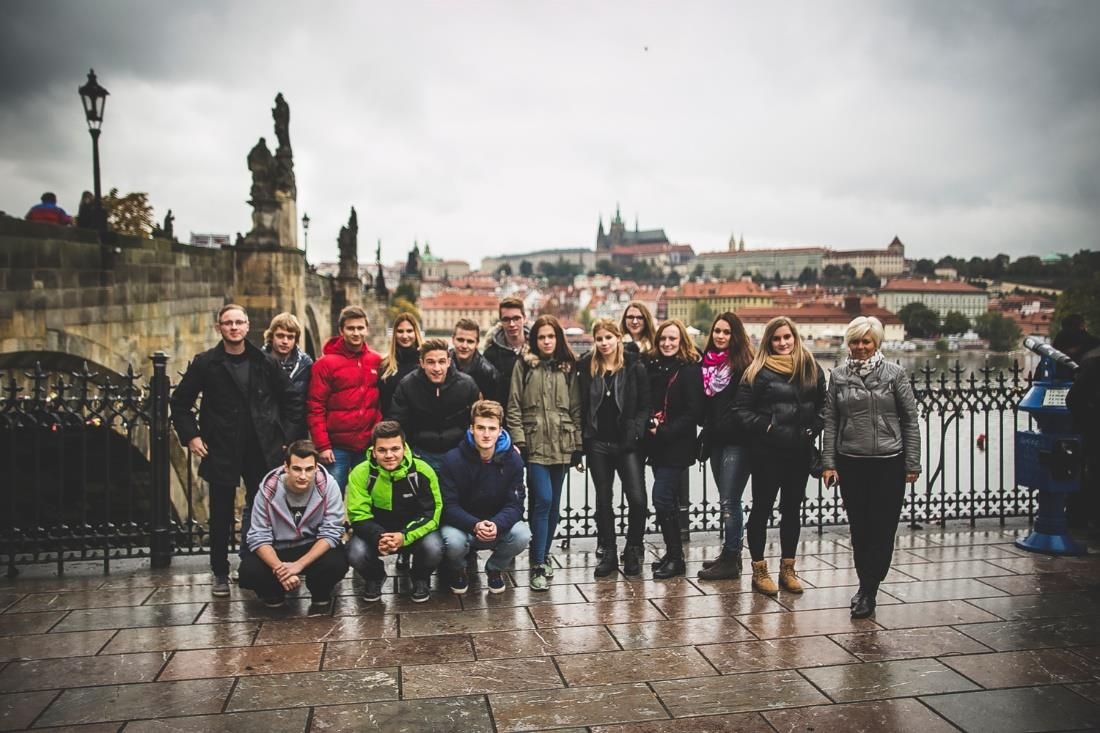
[[971, 633]]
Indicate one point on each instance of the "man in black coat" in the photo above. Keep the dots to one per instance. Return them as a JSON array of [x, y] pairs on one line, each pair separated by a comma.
[[468, 360], [433, 403], [506, 343], [250, 412]]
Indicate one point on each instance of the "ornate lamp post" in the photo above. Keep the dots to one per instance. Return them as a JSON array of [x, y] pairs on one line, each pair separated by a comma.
[[305, 230], [94, 99]]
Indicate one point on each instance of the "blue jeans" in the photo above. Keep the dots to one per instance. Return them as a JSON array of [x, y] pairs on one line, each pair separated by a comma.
[[345, 461], [457, 543], [731, 469], [544, 483], [666, 488]]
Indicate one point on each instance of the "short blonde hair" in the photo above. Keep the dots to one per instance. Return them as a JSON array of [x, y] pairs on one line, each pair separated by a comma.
[[862, 326], [286, 321], [487, 409]]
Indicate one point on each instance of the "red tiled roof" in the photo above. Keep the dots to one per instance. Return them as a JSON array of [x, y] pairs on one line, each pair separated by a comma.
[[919, 285], [815, 313], [464, 300], [727, 289]]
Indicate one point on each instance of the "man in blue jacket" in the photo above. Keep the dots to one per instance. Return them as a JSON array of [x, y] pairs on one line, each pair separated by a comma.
[[297, 528], [482, 485]]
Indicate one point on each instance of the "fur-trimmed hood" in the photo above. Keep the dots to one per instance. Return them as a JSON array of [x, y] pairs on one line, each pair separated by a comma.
[[534, 362]]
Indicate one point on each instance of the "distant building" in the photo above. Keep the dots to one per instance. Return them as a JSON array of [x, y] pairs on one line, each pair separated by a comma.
[[719, 296], [439, 312], [939, 295], [822, 321], [617, 235], [665, 257], [789, 262], [210, 240], [889, 262], [585, 259], [946, 273]]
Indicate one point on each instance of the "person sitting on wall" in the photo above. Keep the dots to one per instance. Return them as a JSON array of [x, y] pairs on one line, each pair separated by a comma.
[[296, 530], [48, 212], [393, 502], [483, 493]]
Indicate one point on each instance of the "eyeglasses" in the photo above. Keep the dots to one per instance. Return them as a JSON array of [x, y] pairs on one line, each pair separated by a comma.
[[511, 319], [635, 318], [238, 324]]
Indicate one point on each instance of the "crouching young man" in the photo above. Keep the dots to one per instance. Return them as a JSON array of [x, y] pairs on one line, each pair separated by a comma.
[[483, 492], [393, 503], [296, 530]]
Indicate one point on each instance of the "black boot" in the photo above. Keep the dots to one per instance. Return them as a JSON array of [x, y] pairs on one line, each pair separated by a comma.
[[658, 563], [728, 565], [632, 560], [865, 606], [608, 564], [674, 548]]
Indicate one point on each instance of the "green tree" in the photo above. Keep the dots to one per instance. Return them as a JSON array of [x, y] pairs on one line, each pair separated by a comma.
[[869, 278], [405, 291], [955, 322], [505, 270], [702, 316], [808, 276], [716, 272], [129, 214], [526, 269], [1081, 297], [697, 272], [586, 318], [919, 320], [1001, 331], [400, 304], [924, 267]]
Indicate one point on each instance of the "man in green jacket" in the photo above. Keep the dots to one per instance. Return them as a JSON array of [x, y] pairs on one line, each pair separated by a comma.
[[393, 503]]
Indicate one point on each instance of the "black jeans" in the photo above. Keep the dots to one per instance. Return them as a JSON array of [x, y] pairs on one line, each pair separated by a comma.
[[604, 461], [222, 498], [873, 490], [783, 475], [427, 553], [322, 575]]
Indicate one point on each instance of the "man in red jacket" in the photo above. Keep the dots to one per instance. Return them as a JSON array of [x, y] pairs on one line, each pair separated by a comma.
[[342, 405]]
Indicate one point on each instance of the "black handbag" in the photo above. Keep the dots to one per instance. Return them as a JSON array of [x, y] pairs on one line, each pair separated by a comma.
[[817, 463]]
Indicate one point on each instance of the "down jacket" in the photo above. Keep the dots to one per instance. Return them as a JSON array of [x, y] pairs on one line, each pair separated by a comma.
[[474, 490], [342, 406], [434, 416], [871, 416], [675, 442], [778, 414], [544, 410]]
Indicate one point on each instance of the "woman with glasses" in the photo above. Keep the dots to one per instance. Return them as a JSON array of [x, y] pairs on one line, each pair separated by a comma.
[[725, 358], [403, 358], [676, 388], [637, 327], [615, 409], [780, 405]]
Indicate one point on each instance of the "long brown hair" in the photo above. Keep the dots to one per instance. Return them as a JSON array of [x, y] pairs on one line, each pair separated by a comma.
[[805, 367], [649, 332], [598, 364], [739, 354], [389, 364], [687, 352], [562, 353]]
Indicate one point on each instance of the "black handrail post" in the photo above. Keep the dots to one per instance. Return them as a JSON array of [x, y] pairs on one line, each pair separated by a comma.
[[160, 539]]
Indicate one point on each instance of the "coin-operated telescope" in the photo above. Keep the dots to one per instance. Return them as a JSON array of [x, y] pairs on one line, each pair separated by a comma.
[[1049, 460]]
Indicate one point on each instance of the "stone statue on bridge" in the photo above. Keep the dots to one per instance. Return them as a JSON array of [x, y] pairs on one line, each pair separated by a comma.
[[348, 243], [274, 190]]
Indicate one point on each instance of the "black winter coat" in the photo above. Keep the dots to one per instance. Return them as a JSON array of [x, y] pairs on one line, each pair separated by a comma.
[[503, 358], [780, 415], [484, 373], [274, 408], [675, 443], [434, 416], [407, 361], [634, 407], [719, 427]]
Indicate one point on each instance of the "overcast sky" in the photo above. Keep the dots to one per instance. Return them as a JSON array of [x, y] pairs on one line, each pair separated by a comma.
[[964, 128]]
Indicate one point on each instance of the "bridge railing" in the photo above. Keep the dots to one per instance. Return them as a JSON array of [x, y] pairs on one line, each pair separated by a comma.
[[95, 473]]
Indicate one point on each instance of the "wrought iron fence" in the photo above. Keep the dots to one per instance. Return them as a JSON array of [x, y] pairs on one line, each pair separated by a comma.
[[95, 473]]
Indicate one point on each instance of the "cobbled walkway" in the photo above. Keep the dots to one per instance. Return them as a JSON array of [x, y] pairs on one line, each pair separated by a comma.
[[970, 634]]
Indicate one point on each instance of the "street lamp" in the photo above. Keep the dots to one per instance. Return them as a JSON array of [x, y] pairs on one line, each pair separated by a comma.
[[305, 229], [94, 99]]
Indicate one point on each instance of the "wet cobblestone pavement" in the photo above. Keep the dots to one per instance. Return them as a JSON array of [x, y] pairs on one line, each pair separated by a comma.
[[971, 633]]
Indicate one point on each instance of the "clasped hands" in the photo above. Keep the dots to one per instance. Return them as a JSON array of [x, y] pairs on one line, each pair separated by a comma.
[[288, 574]]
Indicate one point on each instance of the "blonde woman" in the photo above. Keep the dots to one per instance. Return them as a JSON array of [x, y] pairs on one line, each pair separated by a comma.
[[638, 328], [780, 406], [403, 357], [871, 447], [615, 411]]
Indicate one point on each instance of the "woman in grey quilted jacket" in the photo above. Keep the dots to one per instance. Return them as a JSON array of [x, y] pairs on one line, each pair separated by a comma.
[[871, 448]]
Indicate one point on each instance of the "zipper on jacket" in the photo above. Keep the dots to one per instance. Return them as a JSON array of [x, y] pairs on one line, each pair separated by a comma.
[[874, 418]]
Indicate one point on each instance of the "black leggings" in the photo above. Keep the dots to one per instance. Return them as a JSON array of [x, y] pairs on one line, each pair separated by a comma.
[[783, 475], [603, 465], [873, 490]]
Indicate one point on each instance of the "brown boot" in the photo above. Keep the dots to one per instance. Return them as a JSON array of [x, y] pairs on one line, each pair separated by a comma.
[[787, 578], [761, 581]]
